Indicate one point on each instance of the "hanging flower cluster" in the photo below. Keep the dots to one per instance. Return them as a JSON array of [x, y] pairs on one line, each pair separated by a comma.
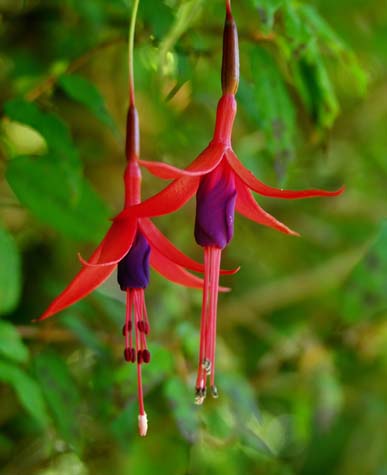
[[133, 243]]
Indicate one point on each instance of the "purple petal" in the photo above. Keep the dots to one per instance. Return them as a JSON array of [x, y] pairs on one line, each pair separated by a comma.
[[215, 207], [133, 269]]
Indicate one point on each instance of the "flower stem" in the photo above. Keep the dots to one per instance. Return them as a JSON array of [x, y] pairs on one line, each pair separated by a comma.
[[132, 29]]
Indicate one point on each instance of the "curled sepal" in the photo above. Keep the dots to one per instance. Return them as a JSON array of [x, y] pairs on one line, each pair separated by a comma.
[[170, 199], [173, 272], [248, 207], [204, 163], [259, 187], [116, 244], [88, 279], [158, 241]]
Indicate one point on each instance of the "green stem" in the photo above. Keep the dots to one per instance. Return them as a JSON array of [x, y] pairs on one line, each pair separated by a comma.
[[132, 29]]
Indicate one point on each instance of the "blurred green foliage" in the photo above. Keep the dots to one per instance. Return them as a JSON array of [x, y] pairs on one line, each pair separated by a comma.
[[302, 336]]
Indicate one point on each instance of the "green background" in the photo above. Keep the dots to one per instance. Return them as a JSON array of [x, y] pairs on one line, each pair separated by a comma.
[[302, 337]]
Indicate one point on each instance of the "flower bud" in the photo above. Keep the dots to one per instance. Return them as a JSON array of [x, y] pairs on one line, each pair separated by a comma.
[[230, 60]]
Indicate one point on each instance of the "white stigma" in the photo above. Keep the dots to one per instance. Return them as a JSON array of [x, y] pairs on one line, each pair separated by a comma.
[[143, 424], [199, 400]]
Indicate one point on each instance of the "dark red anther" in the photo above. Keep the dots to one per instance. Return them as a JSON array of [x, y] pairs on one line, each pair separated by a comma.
[[128, 354], [140, 358], [132, 146], [140, 326], [146, 356], [146, 328], [124, 328], [230, 60], [133, 355]]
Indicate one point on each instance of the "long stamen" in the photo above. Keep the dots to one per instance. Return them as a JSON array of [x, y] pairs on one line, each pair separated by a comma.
[[142, 418], [207, 358], [213, 305], [129, 352], [212, 257], [202, 373]]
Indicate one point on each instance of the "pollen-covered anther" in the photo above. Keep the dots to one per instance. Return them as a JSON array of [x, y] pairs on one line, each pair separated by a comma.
[[214, 392], [200, 395], [206, 365], [142, 424]]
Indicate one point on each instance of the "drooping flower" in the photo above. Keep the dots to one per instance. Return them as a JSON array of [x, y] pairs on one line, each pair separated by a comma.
[[132, 245], [222, 185]]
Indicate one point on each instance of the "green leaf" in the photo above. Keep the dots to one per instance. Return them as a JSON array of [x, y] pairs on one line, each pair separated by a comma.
[[27, 390], [315, 86], [270, 109], [186, 14], [84, 92], [158, 15], [308, 43], [180, 399], [10, 273], [61, 394], [11, 344], [38, 184], [83, 332], [331, 40], [56, 134], [296, 31], [267, 10], [365, 294]]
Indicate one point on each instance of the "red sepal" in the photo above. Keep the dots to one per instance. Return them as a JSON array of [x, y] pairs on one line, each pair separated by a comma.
[[158, 241], [88, 279], [256, 185], [248, 207], [172, 271], [175, 273], [204, 163], [168, 200], [117, 242]]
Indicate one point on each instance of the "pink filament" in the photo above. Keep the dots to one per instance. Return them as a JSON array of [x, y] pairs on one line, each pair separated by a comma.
[[138, 306], [212, 257], [128, 320], [135, 307]]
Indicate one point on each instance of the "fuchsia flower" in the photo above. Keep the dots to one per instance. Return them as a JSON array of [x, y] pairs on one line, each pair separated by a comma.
[[222, 185], [132, 245]]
